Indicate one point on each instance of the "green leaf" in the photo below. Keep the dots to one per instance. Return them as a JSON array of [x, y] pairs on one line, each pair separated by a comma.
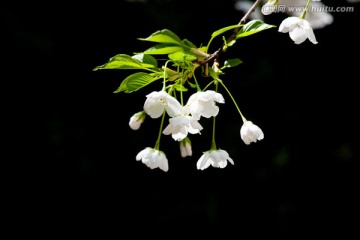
[[253, 27], [180, 87], [203, 49], [164, 48], [229, 44], [136, 81], [163, 36], [213, 73], [144, 58], [232, 62], [193, 85], [182, 57], [222, 30], [188, 44], [123, 61]]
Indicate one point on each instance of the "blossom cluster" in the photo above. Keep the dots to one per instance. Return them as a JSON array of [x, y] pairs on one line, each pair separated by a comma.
[[184, 120], [180, 119]]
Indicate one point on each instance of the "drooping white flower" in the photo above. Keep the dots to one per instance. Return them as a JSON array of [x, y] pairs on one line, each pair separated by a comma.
[[317, 15], [153, 158], [180, 126], [136, 120], [215, 158], [157, 102], [203, 104], [269, 7], [185, 147], [299, 29], [249, 132]]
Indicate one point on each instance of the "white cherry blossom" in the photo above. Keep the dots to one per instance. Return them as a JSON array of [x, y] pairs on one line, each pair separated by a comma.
[[215, 158], [180, 126], [299, 29], [269, 7], [203, 104], [317, 17], [153, 158], [249, 132], [157, 102]]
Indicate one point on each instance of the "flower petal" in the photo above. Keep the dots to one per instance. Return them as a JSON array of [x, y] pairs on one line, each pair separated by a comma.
[[288, 24], [298, 35], [311, 36], [172, 106]]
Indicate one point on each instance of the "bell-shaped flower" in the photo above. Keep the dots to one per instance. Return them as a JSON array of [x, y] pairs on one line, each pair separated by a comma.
[[299, 29], [203, 104], [215, 158], [157, 102], [185, 147], [249, 132], [136, 120], [269, 7], [318, 17], [180, 126], [153, 158]]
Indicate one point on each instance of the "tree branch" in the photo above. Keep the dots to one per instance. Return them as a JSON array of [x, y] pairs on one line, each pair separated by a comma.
[[216, 54]]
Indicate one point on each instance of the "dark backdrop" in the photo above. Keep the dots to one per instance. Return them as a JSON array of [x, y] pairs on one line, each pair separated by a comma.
[[74, 154]]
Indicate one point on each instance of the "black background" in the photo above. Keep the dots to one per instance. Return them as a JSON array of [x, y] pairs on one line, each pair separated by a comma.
[[73, 153]]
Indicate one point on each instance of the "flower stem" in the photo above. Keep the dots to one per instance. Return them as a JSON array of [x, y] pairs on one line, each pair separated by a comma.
[[208, 85], [232, 98], [157, 144], [305, 10], [213, 144], [164, 82], [196, 82]]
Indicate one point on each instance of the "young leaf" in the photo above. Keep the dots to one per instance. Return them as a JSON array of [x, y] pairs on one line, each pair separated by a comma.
[[136, 81], [253, 27], [163, 36], [144, 58], [193, 85], [222, 30], [232, 62], [213, 73], [181, 57], [123, 61], [180, 87], [163, 48]]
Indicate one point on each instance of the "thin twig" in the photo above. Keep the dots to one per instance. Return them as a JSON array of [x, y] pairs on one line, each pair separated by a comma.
[[216, 54]]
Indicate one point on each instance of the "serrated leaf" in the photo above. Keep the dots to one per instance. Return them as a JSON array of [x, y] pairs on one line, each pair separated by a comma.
[[136, 81], [163, 36], [181, 56], [123, 61], [253, 27], [232, 62], [163, 48], [144, 58]]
